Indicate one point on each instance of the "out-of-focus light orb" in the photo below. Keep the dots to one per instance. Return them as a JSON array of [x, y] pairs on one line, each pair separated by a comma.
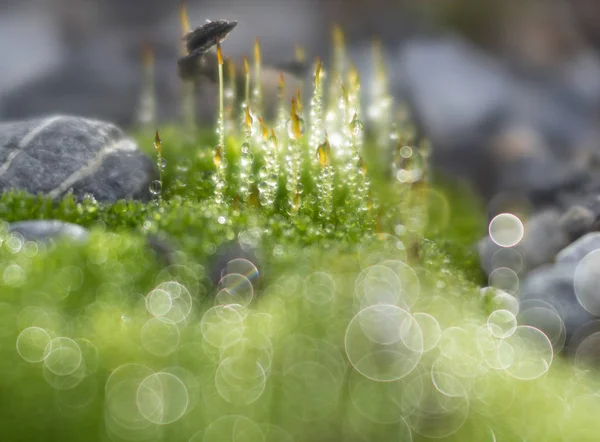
[[505, 279], [506, 230], [162, 398], [586, 282]]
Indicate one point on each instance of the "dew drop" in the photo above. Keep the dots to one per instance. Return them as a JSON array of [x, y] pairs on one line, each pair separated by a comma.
[[290, 129], [406, 151], [155, 187], [357, 127], [263, 186]]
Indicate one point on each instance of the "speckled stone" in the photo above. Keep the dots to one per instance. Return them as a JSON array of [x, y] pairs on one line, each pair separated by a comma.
[[61, 154]]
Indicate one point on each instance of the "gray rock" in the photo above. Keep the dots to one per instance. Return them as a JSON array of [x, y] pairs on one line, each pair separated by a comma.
[[582, 206], [452, 86], [502, 128], [554, 285], [60, 154], [578, 221], [44, 230], [50, 230], [543, 238], [577, 250], [540, 177]]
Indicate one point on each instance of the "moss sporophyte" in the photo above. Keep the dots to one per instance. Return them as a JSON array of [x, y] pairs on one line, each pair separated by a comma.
[[311, 293]]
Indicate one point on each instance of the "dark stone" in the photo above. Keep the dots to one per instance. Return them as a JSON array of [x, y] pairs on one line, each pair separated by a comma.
[[60, 154], [554, 285], [46, 230]]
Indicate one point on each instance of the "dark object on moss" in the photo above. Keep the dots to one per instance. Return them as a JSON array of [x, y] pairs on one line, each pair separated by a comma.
[[201, 39], [199, 42], [63, 154], [48, 230], [227, 252], [162, 247]]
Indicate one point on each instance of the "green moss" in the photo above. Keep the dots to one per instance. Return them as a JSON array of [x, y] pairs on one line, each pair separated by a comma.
[[303, 300], [465, 227]]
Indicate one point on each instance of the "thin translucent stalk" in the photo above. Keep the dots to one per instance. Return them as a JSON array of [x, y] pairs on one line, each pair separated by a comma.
[[269, 175], [159, 163], [220, 175], [257, 89], [353, 92], [293, 160], [230, 99], [246, 103], [357, 136], [246, 179], [381, 102], [300, 55], [344, 137], [317, 126], [219, 158], [325, 181], [300, 112], [356, 178], [247, 83], [409, 165], [333, 117], [339, 64], [281, 118], [221, 119], [189, 87], [363, 190], [147, 107]]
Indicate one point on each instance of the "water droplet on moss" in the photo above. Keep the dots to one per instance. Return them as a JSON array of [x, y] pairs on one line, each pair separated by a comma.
[[406, 152], [357, 127], [290, 129], [155, 187]]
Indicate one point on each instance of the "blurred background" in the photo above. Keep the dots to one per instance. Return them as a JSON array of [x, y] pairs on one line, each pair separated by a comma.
[[507, 90]]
